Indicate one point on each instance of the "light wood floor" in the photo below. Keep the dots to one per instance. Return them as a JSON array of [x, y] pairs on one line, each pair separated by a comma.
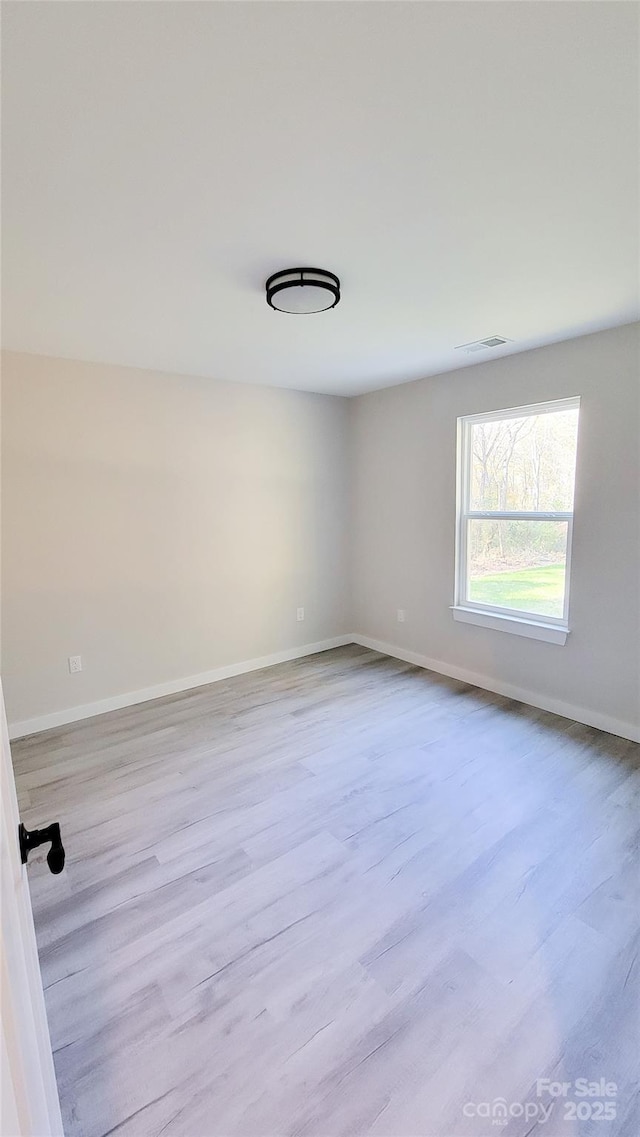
[[340, 896]]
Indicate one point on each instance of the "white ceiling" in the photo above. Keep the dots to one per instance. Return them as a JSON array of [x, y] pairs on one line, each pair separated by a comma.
[[468, 169]]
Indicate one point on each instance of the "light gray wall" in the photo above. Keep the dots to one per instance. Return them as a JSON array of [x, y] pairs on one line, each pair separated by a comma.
[[404, 488], [162, 526]]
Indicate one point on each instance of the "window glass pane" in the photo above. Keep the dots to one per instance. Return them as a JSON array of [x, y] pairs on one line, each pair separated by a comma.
[[524, 463], [518, 564]]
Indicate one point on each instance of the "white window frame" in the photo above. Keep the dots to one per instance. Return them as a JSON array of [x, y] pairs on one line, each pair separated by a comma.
[[531, 625]]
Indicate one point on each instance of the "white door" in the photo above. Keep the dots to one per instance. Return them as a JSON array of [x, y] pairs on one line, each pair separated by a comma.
[[29, 1103]]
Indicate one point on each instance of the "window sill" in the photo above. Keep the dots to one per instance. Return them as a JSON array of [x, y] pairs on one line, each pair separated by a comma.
[[517, 625]]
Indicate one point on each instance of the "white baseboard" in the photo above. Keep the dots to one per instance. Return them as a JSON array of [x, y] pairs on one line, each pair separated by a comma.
[[130, 698], [532, 698], [172, 687]]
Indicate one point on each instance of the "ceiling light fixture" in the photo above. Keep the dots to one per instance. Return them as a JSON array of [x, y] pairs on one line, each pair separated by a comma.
[[302, 291]]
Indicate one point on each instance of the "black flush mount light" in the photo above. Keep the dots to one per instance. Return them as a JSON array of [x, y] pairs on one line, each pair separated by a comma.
[[302, 291]]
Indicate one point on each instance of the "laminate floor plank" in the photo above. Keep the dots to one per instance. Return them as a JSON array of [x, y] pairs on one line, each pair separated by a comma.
[[339, 897]]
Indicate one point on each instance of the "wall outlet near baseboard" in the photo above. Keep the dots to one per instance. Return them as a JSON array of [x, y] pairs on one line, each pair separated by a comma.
[[402, 615], [75, 664], [300, 614]]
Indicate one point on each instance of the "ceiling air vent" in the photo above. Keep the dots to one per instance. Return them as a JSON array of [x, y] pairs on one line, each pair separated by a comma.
[[482, 345]]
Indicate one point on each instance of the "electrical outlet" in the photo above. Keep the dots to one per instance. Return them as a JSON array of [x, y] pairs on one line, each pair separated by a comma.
[[402, 615], [75, 663], [300, 614]]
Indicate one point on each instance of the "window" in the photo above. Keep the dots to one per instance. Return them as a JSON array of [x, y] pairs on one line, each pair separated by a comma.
[[516, 472]]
